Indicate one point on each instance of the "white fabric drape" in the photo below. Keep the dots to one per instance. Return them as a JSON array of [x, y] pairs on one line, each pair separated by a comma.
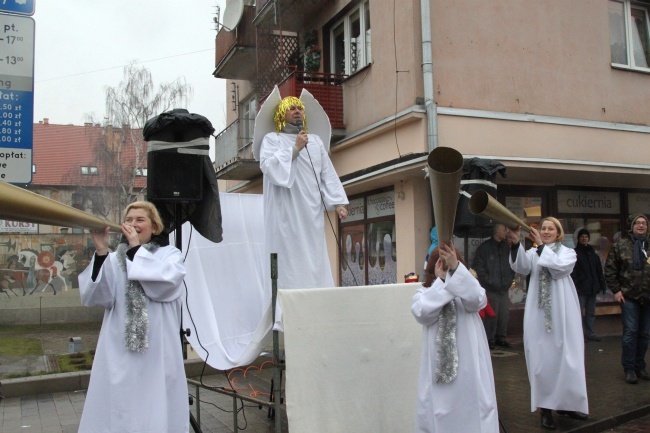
[[352, 358], [229, 286]]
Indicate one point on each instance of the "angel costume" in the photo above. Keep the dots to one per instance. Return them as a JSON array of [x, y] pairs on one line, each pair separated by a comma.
[[142, 388], [465, 401], [294, 191], [553, 339]]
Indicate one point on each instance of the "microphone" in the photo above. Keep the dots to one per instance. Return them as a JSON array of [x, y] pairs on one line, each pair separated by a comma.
[[299, 124]]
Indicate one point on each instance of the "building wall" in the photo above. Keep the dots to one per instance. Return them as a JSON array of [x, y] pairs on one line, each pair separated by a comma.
[[544, 57]]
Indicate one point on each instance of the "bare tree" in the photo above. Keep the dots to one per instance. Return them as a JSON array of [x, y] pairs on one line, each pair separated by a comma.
[[120, 149]]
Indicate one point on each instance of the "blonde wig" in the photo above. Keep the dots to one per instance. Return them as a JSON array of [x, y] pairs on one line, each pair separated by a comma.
[[281, 111]]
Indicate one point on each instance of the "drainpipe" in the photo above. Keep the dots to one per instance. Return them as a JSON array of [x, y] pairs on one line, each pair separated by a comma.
[[427, 75]]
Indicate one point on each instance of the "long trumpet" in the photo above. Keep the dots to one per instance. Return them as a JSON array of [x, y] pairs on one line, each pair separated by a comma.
[[21, 205], [445, 172], [483, 204]]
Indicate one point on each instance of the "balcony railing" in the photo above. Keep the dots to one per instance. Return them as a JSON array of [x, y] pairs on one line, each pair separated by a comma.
[[235, 49], [234, 152], [326, 88]]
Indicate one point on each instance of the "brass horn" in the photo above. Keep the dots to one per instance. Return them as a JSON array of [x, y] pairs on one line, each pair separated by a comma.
[[483, 204], [445, 172], [21, 205]]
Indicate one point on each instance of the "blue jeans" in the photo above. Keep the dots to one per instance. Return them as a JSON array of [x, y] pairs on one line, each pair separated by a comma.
[[636, 329]]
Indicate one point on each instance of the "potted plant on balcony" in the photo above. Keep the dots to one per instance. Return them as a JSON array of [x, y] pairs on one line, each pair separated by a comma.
[[310, 51]]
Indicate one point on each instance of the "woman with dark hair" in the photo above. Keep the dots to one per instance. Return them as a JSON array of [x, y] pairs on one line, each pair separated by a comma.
[[589, 280], [553, 342], [456, 384], [138, 382]]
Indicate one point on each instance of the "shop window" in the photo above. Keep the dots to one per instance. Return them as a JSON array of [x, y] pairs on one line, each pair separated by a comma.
[[368, 242]]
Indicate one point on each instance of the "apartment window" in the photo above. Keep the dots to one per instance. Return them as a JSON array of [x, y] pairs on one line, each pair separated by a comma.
[[142, 172], [247, 110], [350, 41], [629, 30], [89, 170]]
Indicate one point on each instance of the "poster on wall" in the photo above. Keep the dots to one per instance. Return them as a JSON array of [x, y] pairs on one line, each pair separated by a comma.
[[7, 226]]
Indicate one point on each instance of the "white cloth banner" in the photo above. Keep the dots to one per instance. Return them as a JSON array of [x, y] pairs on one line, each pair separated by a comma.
[[352, 358], [229, 286]]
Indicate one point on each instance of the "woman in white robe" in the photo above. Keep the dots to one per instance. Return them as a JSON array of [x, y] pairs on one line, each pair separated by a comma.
[[461, 398], [137, 383], [300, 183], [553, 339]]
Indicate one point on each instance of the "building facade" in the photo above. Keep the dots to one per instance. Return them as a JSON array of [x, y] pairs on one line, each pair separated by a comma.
[[557, 92]]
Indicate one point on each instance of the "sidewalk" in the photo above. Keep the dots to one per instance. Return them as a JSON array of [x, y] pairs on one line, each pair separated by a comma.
[[612, 402]]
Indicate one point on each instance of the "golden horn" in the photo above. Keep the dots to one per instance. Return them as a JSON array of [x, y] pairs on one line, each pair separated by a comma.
[[21, 205], [445, 172], [483, 204]]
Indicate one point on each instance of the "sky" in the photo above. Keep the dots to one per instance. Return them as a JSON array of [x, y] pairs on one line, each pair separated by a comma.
[[81, 47]]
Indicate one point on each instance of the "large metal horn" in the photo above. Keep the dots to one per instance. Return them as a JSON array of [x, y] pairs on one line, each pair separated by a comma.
[[483, 204], [445, 172], [21, 205]]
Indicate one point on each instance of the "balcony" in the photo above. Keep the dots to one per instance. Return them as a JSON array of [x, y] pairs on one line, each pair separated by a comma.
[[234, 152], [289, 15], [235, 56], [326, 88]]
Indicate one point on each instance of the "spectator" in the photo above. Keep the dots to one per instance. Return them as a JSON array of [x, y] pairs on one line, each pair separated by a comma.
[[495, 275], [627, 274], [589, 280]]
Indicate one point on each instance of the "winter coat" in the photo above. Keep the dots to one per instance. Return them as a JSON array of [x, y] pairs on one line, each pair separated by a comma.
[[620, 274], [588, 274], [492, 267]]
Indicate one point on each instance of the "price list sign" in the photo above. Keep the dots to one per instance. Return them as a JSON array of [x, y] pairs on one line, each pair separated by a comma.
[[16, 98]]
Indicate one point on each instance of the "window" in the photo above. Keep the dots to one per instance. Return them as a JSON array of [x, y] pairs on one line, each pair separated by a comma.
[[89, 170], [367, 241], [629, 33], [141, 172], [33, 168], [350, 41], [247, 110]]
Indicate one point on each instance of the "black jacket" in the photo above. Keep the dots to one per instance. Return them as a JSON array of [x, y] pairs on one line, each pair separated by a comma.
[[492, 266], [588, 272]]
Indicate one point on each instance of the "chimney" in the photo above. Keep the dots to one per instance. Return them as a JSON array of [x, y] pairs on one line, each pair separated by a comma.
[[46, 120]]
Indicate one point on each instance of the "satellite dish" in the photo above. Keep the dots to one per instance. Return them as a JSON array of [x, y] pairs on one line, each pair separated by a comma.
[[232, 14]]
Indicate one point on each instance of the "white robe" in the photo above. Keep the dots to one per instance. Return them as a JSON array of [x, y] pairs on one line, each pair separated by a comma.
[[468, 403], [137, 392], [293, 210], [555, 359]]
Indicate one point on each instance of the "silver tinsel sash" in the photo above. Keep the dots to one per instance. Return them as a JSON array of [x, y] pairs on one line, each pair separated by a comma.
[[544, 293], [136, 329], [447, 362]]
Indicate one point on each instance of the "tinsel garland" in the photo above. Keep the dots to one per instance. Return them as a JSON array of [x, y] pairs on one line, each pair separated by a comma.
[[136, 329], [447, 362], [544, 293]]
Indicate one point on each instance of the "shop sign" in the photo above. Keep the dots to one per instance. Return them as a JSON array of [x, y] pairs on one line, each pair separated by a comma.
[[7, 226], [357, 210], [638, 202], [382, 204], [588, 202]]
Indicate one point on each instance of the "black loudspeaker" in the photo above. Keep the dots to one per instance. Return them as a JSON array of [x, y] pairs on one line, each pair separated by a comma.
[[174, 176]]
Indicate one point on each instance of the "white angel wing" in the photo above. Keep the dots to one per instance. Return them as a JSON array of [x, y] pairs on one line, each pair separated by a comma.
[[264, 120], [318, 121]]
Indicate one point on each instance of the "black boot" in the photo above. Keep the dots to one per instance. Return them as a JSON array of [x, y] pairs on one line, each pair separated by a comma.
[[547, 419]]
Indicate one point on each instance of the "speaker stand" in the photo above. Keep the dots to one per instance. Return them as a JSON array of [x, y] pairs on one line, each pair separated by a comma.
[[178, 241]]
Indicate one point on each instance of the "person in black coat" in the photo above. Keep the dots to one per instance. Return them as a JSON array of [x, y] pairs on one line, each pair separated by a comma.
[[589, 281]]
